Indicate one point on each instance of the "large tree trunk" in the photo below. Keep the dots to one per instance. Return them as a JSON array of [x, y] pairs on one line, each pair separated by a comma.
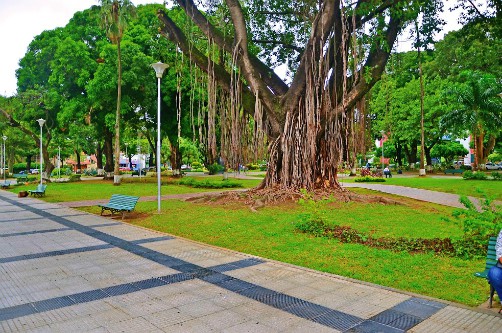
[[99, 157], [305, 119], [108, 150]]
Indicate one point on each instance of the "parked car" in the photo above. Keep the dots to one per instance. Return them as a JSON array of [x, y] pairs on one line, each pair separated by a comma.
[[493, 166]]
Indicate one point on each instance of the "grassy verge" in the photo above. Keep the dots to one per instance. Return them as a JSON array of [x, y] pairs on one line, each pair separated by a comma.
[[270, 233], [99, 189], [456, 185]]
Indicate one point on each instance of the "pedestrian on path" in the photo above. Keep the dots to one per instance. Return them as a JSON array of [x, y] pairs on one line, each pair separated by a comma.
[[387, 173], [495, 273]]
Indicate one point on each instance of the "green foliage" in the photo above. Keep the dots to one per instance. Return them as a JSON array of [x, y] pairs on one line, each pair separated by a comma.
[[74, 178], [207, 183], [65, 171], [215, 168], [496, 175], [368, 179], [477, 225], [313, 218], [476, 175]]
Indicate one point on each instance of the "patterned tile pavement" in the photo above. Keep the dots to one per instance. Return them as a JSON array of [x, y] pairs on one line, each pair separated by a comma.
[[66, 271]]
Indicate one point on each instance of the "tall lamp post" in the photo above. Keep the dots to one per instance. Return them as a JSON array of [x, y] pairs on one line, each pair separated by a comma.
[[159, 71], [41, 122], [3, 156], [127, 156], [59, 162], [382, 149]]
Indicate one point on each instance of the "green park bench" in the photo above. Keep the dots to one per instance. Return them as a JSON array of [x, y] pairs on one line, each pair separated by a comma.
[[120, 204], [491, 260], [21, 178], [5, 184], [39, 191], [453, 171]]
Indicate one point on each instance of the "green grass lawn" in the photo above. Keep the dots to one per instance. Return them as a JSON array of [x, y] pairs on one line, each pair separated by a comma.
[[99, 189], [270, 233], [448, 184]]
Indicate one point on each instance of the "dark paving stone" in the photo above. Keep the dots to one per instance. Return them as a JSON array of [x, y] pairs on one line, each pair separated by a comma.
[[54, 253], [406, 322], [104, 225], [186, 267], [338, 320], [258, 293], [307, 310], [53, 303], [281, 301], [369, 326], [216, 278], [428, 302], [175, 278], [89, 296], [416, 309], [17, 311], [120, 289], [150, 283], [388, 316], [34, 232], [151, 240], [234, 285]]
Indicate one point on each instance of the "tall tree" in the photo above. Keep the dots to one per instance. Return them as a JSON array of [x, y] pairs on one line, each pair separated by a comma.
[[337, 51], [115, 17], [478, 110]]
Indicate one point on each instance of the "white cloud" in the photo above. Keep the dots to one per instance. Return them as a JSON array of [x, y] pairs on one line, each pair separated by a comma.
[[22, 20]]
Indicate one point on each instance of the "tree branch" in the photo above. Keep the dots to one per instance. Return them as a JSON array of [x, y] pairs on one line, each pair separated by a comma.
[[272, 80], [251, 75], [274, 42]]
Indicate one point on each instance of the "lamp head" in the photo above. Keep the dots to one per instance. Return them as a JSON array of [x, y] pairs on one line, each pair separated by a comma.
[[4, 138], [159, 69], [41, 122]]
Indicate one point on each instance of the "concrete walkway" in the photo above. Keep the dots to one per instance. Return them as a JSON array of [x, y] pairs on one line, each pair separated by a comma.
[[63, 270]]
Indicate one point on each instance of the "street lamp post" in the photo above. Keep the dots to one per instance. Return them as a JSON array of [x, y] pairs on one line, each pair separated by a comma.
[[59, 162], [3, 156], [127, 156], [382, 149], [41, 122], [159, 71]]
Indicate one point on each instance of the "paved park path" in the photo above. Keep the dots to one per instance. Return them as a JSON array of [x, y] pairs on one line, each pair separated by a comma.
[[62, 270]]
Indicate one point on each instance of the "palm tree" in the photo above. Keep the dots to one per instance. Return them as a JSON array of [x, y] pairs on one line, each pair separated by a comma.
[[115, 15], [479, 111]]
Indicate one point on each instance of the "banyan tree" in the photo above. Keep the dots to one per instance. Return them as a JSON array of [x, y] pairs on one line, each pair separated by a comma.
[[335, 51]]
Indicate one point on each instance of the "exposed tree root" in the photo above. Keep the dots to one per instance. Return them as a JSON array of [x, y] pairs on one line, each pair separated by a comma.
[[258, 197]]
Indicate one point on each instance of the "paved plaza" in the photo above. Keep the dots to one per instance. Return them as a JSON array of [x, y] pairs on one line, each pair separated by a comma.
[[62, 270]]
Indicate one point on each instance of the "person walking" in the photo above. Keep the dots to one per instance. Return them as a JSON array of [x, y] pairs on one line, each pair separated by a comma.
[[387, 172]]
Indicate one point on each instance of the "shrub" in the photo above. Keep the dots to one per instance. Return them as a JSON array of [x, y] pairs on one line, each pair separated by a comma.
[[74, 178], [477, 175], [313, 218], [215, 168], [192, 182], [366, 179], [477, 224], [496, 175], [196, 165]]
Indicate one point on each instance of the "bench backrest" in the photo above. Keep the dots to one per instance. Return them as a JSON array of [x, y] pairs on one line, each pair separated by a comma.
[[491, 254], [125, 201], [41, 188]]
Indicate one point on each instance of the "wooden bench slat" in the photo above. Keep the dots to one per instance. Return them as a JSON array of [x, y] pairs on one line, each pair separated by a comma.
[[120, 203], [491, 260]]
